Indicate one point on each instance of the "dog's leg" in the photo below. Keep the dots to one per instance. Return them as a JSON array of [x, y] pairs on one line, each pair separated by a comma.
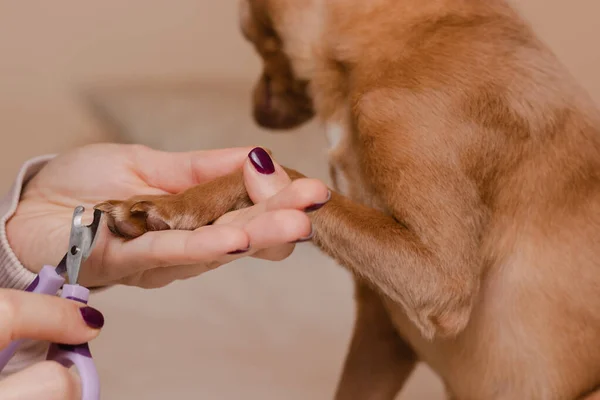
[[198, 206], [378, 361], [435, 290], [422, 254]]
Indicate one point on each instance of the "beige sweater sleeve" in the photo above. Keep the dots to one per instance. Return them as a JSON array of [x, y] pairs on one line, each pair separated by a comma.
[[12, 273]]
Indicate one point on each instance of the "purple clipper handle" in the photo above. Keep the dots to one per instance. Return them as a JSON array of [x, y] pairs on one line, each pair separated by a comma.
[[47, 282], [78, 355]]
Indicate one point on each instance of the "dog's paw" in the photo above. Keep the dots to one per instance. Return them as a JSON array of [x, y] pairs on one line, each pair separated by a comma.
[[134, 217]]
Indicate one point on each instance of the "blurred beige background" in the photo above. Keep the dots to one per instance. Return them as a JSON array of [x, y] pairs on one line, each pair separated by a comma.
[[176, 75]]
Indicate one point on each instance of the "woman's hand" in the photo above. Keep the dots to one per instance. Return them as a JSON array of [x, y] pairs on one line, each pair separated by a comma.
[[35, 316], [39, 230]]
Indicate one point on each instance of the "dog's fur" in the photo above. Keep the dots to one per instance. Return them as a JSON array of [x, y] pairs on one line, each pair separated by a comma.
[[466, 163]]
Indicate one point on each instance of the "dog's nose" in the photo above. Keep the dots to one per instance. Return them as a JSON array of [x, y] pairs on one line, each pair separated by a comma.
[[268, 92], [263, 94]]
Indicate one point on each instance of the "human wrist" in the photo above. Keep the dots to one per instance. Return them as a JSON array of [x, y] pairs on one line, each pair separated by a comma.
[[13, 274]]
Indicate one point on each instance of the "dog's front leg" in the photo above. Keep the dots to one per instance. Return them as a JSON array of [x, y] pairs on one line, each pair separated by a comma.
[[435, 287], [423, 254], [195, 207], [378, 362], [430, 267]]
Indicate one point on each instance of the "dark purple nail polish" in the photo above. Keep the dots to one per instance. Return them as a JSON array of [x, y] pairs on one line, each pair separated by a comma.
[[81, 349], [33, 284], [92, 317], [315, 207], [306, 239], [262, 161], [240, 251], [76, 299]]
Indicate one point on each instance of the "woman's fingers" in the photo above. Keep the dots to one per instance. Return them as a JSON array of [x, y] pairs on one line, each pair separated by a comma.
[[269, 186], [274, 230], [273, 234], [47, 380], [303, 195], [174, 247], [43, 317], [262, 176], [176, 171]]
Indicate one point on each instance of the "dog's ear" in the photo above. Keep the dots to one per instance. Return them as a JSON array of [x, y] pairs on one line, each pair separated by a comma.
[[245, 17], [255, 20]]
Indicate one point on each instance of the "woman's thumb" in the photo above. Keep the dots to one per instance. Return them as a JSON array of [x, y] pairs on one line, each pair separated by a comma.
[[262, 176]]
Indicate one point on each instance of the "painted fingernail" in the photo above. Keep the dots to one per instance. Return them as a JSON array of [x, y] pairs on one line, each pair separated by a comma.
[[316, 206], [261, 161], [240, 251], [33, 284], [92, 317], [307, 238]]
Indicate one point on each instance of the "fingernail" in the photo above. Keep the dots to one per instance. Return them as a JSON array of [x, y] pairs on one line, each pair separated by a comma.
[[316, 206], [92, 317], [307, 238], [33, 284], [261, 161], [240, 251]]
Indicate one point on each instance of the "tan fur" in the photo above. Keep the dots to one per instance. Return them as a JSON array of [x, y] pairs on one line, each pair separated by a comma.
[[471, 212]]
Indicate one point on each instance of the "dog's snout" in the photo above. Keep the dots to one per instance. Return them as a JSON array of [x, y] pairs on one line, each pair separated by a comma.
[[278, 104]]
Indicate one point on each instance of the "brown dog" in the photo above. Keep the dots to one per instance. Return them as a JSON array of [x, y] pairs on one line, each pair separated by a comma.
[[466, 162]]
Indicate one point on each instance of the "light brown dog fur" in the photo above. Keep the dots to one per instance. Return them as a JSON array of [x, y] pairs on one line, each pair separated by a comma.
[[466, 163]]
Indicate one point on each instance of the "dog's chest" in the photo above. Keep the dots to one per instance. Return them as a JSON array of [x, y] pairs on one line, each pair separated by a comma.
[[345, 168], [339, 151]]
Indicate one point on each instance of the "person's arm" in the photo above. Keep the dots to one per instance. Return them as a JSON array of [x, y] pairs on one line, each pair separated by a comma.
[[13, 275]]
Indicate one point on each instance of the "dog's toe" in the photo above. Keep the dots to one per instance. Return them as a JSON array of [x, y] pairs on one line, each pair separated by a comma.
[[132, 218], [150, 212]]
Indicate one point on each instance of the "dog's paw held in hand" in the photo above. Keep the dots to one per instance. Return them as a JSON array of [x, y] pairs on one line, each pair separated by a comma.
[[134, 217], [193, 208]]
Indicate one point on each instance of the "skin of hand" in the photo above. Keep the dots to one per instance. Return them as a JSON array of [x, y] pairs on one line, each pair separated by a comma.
[[35, 316], [39, 231]]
